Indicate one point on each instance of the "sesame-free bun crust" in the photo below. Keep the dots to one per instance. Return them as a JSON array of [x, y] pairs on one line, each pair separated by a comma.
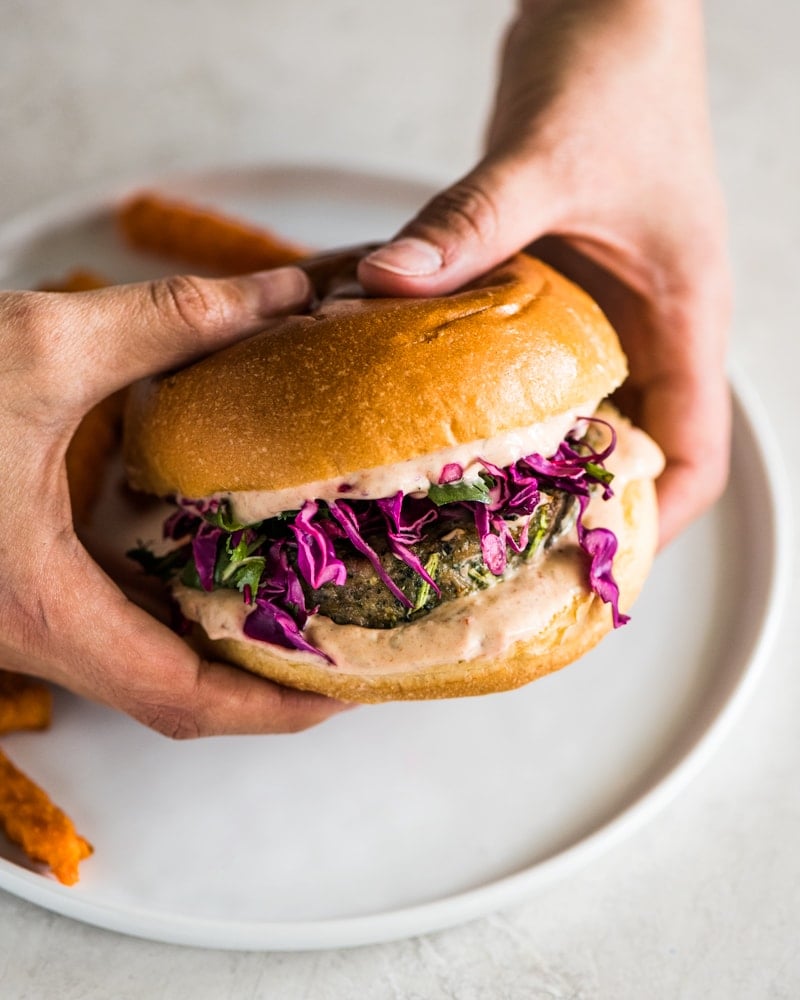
[[361, 383], [575, 628]]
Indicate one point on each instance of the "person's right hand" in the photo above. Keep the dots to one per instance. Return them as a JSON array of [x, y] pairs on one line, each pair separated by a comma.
[[599, 155], [61, 617]]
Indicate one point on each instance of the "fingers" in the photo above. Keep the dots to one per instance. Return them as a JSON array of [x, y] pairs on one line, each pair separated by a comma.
[[678, 373], [62, 617], [675, 338], [226, 701], [143, 329], [692, 425], [89, 344], [115, 653], [465, 230]]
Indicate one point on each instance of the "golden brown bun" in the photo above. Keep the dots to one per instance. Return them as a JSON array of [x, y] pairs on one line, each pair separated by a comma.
[[366, 383], [578, 626]]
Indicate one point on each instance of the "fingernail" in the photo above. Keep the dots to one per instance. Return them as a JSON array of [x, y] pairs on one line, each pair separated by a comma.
[[408, 256], [280, 289]]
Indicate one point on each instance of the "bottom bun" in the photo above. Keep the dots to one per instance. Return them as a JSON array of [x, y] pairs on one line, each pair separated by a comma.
[[578, 625]]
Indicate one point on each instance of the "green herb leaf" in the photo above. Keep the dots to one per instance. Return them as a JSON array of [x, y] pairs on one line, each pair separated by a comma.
[[236, 552], [538, 528], [289, 515], [248, 574], [161, 566], [477, 491], [482, 577], [424, 592], [190, 577], [599, 473], [223, 518]]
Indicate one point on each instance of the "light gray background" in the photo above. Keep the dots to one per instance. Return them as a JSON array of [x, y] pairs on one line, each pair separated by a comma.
[[705, 902]]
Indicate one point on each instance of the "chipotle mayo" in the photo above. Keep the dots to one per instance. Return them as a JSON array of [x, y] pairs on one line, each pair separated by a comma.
[[415, 475], [484, 623]]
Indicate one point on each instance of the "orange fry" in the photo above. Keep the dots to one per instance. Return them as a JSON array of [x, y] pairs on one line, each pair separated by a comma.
[[25, 703], [41, 829], [200, 237], [79, 280], [89, 451]]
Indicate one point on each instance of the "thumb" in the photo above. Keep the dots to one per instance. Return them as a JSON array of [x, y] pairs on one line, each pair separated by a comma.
[[111, 337], [484, 218]]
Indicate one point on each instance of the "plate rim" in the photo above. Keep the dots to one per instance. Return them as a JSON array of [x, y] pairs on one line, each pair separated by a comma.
[[80, 202], [462, 906]]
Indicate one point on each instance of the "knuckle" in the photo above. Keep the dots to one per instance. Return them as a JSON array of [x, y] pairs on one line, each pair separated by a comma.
[[176, 722], [465, 209], [191, 304]]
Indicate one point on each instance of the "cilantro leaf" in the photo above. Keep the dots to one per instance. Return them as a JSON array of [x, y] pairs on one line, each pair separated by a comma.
[[248, 574], [223, 518], [477, 491]]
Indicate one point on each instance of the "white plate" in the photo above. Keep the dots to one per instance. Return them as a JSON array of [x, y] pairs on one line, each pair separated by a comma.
[[399, 819]]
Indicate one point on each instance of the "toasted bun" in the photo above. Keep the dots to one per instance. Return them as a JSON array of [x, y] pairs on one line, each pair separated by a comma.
[[577, 625], [363, 383]]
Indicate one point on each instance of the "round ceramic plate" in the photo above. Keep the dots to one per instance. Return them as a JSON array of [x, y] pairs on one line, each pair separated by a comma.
[[398, 819]]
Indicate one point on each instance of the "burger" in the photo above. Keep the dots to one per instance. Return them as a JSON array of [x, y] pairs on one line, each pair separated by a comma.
[[399, 498]]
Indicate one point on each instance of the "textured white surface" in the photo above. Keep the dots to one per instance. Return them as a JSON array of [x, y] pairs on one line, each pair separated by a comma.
[[705, 902]]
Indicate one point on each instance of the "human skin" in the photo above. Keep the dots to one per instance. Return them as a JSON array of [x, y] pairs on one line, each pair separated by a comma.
[[599, 157], [61, 617]]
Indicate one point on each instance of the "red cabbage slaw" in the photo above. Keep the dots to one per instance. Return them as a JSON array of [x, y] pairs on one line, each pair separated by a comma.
[[269, 561]]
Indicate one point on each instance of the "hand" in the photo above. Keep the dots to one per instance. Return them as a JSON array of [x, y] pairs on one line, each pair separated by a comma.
[[599, 155], [61, 617]]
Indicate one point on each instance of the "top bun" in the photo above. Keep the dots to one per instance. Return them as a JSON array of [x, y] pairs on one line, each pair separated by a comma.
[[361, 383]]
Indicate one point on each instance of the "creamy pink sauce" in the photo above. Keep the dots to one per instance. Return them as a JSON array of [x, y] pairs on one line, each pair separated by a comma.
[[416, 475], [486, 622]]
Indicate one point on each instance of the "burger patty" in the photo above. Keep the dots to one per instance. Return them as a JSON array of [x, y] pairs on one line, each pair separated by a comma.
[[453, 559]]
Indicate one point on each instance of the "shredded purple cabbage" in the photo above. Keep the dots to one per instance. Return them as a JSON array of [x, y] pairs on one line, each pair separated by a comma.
[[204, 551], [316, 557], [600, 545], [271, 623], [451, 473], [267, 561]]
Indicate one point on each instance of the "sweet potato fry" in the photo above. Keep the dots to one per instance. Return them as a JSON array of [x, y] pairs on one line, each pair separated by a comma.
[[79, 280], [200, 237], [42, 830], [89, 451], [25, 703]]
